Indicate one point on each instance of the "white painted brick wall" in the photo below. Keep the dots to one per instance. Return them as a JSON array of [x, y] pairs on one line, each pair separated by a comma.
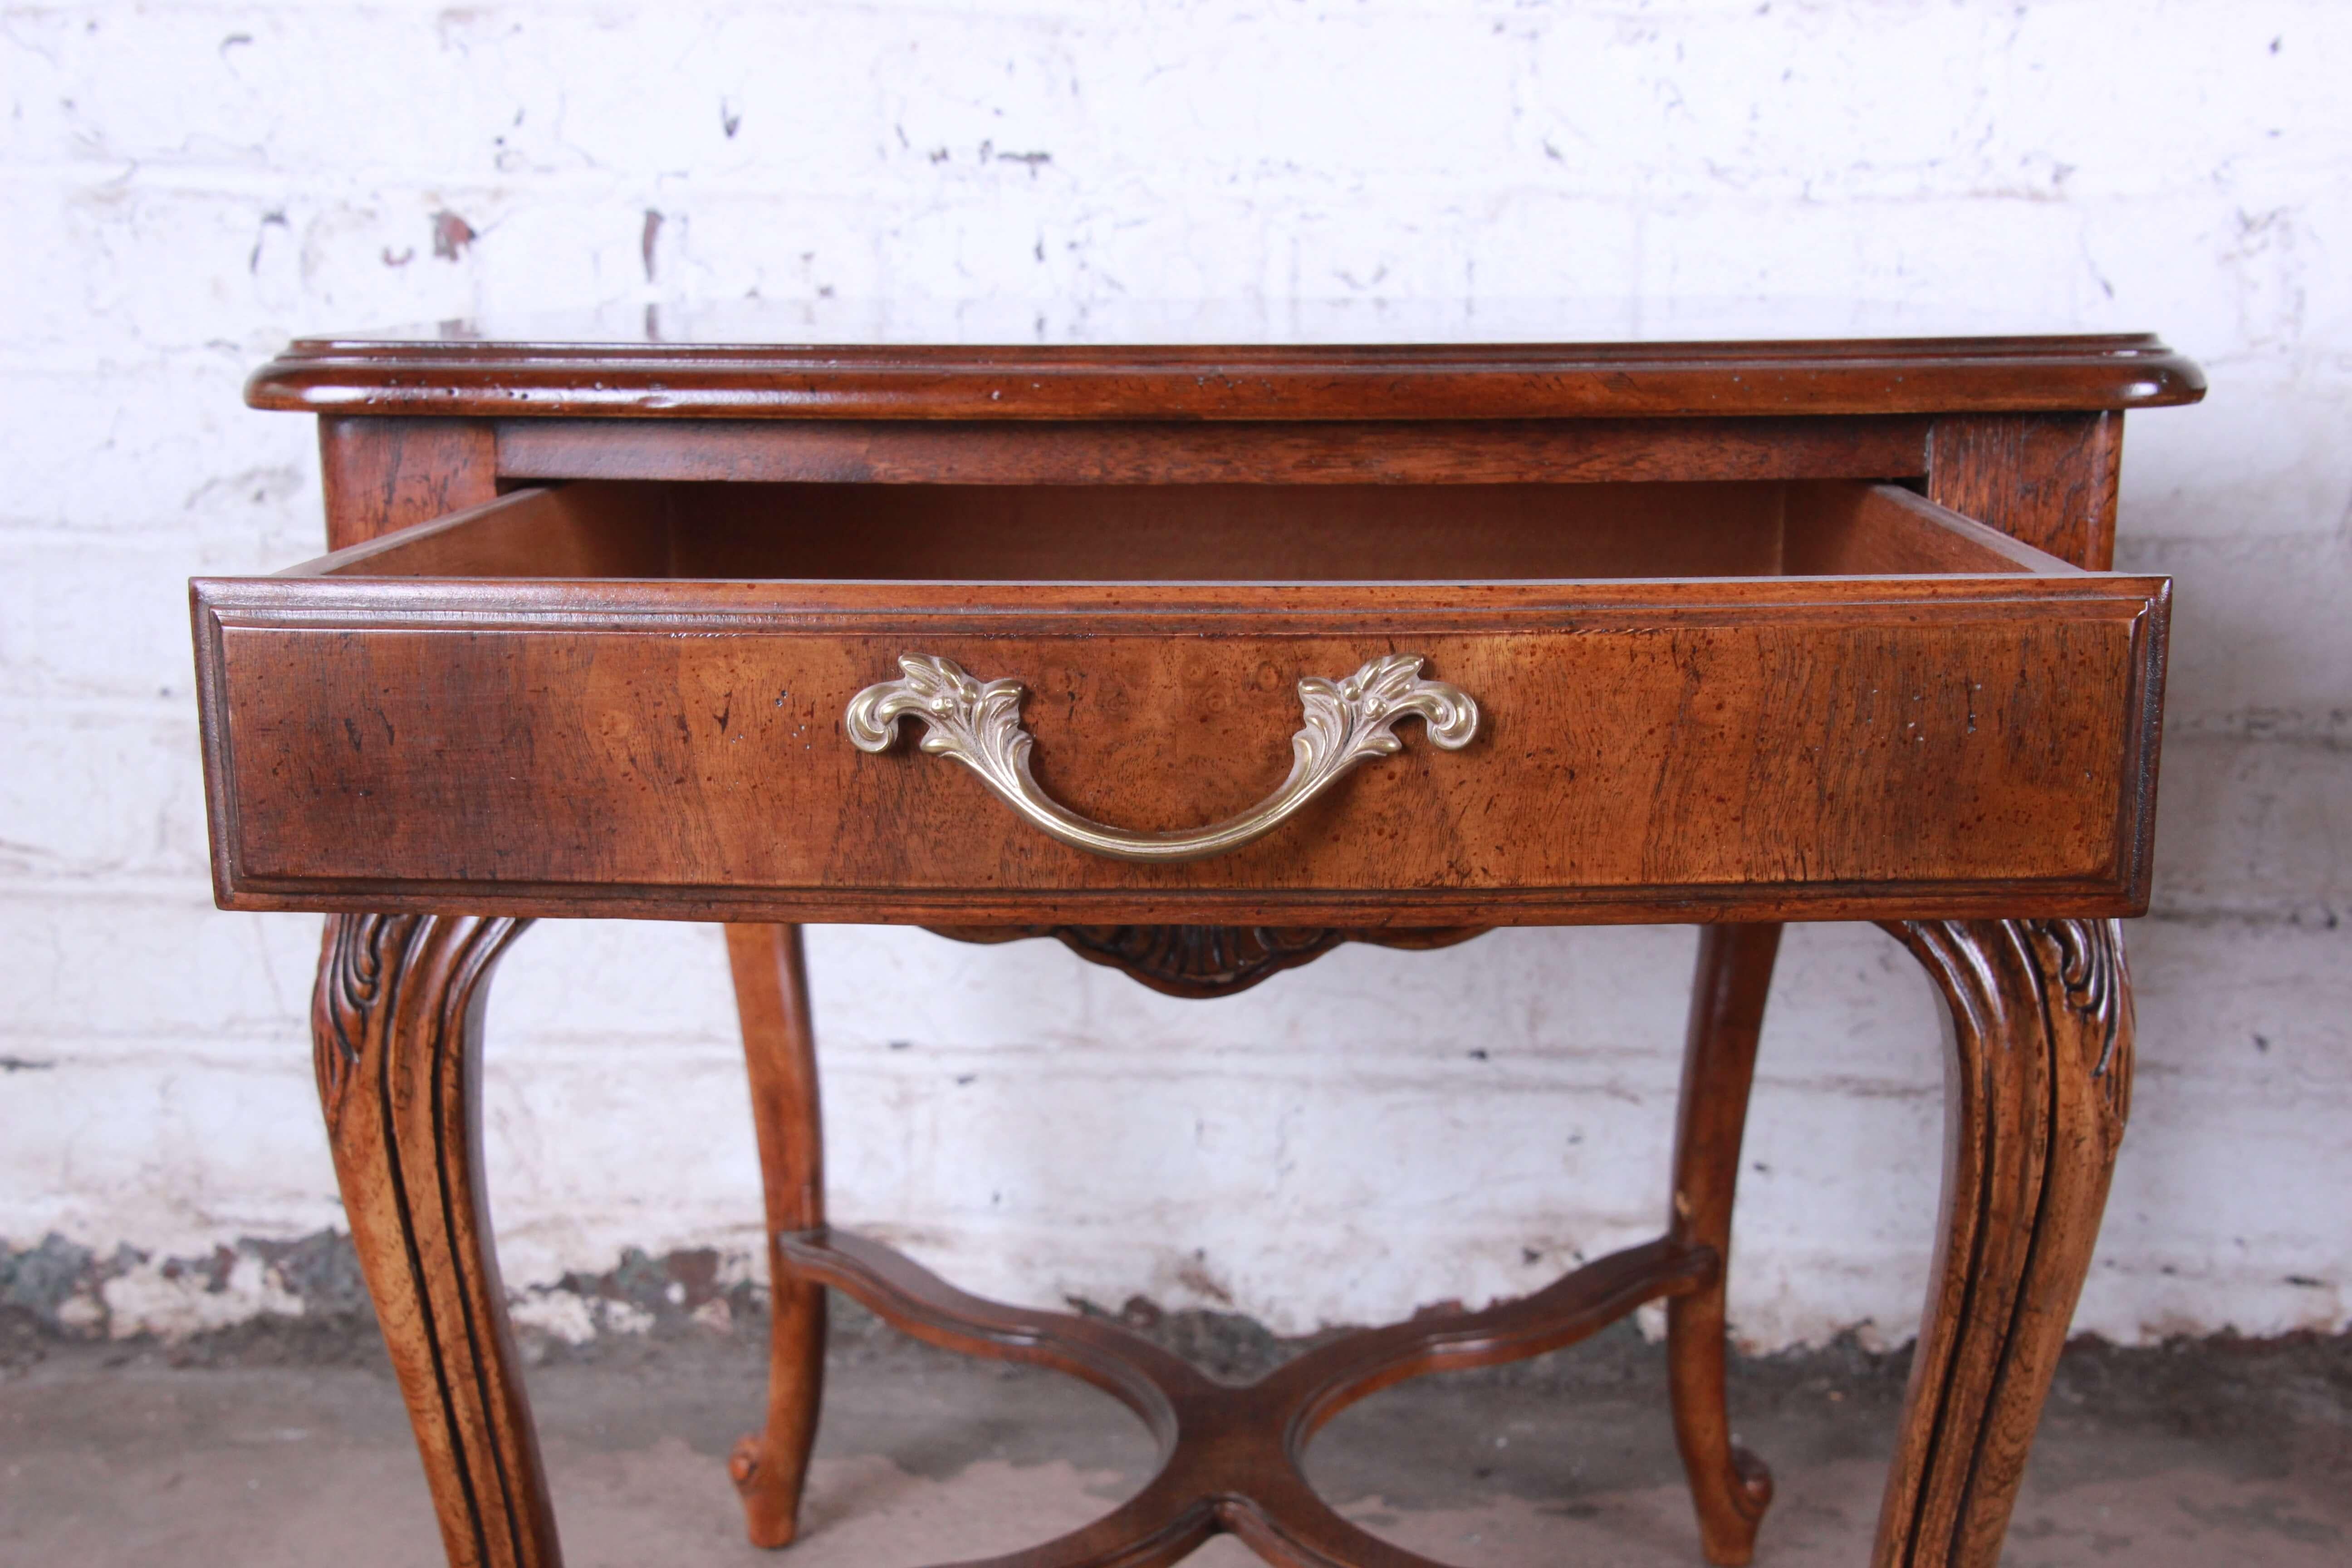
[[187, 184]]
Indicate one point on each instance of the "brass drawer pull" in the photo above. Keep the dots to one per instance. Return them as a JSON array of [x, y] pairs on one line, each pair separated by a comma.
[[979, 724]]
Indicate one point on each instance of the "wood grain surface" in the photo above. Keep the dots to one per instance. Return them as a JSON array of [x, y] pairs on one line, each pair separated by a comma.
[[1826, 746], [1231, 1457], [770, 1467], [396, 1032], [1260, 452], [2037, 1090], [1201, 532], [382, 475], [1730, 1487], [2047, 480], [511, 379]]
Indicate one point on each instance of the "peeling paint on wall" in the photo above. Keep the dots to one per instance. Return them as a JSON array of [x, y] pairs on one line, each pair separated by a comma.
[[77, 1292], [451, 236]]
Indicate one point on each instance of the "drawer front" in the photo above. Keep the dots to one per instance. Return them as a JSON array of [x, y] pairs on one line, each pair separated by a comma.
[[1797, 749]]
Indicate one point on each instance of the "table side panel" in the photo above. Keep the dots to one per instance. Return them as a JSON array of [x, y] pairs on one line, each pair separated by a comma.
[[380, 476]]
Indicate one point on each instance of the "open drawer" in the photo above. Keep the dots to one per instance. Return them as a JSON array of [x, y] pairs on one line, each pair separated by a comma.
[[1660, 701]]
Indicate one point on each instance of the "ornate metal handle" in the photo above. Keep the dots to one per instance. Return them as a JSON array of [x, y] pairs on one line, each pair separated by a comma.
[[978, 723]]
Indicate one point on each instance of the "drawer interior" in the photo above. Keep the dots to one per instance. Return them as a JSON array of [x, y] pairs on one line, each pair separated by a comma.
[[1806, 700], [1195, 533]]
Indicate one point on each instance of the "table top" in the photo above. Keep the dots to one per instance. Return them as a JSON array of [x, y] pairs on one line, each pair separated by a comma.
[[831, 360]]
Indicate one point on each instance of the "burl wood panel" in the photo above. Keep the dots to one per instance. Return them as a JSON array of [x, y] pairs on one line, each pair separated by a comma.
[[1842, 744]]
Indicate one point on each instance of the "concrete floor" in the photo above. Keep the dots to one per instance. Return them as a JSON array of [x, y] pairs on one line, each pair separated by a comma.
[[288, 1448]]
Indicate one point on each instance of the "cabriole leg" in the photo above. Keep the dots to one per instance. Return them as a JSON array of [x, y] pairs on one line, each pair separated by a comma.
[[780, 1050], [396, 1027], [1730, 1485], [2038, 1084]]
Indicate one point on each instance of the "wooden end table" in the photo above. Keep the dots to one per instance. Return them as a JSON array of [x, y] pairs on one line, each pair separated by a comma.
[[1734, 633]]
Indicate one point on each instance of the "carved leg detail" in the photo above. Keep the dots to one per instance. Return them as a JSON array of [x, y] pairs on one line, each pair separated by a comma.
[[1730, 1487], [2038, 1088], [396, 1026], [771, 1467]]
